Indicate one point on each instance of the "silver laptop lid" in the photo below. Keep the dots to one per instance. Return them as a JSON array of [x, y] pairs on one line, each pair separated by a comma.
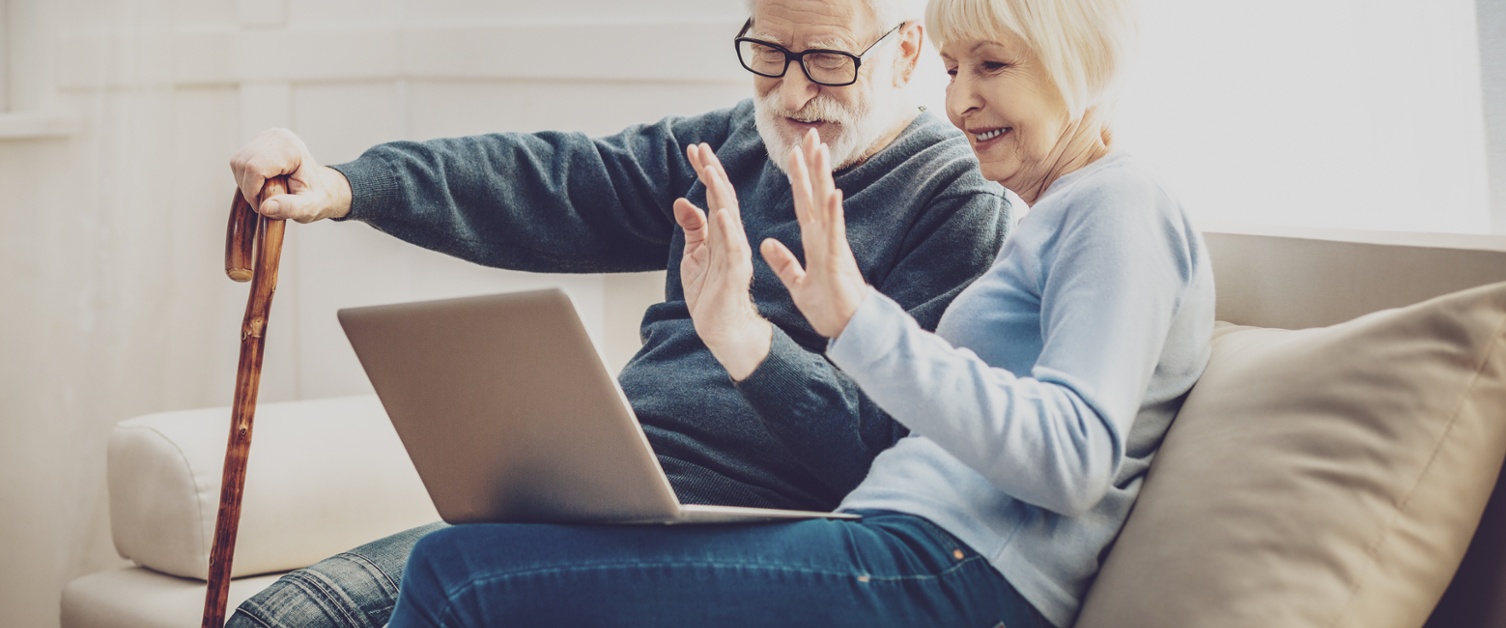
[[507, 410]]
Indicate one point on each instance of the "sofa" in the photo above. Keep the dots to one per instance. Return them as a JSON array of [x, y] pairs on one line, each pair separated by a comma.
[[1337, 465]]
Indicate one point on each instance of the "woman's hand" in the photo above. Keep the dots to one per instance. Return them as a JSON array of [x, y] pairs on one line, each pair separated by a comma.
[[830, 288], [717, 272]]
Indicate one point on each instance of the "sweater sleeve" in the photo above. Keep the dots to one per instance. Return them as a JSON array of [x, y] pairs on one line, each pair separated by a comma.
[[1109, 290], [817, 411], [543, 202]]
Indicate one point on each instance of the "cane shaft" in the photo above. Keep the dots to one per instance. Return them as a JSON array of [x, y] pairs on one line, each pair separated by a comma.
[[267, 236]]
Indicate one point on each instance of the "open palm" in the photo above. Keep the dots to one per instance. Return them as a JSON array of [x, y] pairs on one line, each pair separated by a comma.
[[830, 287], [716, 271]]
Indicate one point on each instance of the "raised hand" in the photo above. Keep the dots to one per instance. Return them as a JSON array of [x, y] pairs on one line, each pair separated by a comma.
[[315, 192], [717, 271], [830, 287]]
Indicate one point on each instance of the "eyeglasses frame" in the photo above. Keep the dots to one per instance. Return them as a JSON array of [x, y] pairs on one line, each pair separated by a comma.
[[799, 57]]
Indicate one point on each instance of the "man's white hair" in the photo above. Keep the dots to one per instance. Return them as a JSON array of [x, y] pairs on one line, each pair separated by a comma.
[[863, 123], [888, 13], [1083, 44]]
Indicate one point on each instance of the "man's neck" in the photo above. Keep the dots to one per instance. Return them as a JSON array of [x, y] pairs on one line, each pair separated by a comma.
[[902, 122]]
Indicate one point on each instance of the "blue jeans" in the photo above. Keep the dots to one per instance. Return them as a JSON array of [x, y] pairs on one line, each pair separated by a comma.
[[889, 569], [354, 589]]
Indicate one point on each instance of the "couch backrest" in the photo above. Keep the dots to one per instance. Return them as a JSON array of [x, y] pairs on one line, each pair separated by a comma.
[[1289, 278], [1292, 279]]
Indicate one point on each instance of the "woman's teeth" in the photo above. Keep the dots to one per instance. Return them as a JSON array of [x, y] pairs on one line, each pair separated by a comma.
[[988, 135]]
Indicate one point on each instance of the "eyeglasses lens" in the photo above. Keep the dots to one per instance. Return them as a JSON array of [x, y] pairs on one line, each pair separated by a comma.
[[820, 67]]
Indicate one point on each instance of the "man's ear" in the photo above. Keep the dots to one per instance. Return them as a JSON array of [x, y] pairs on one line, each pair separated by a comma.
[[911, 39]]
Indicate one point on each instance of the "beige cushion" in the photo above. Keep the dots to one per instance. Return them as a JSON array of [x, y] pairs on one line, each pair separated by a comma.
[[141, 598], [323, 477], [1323, 477]]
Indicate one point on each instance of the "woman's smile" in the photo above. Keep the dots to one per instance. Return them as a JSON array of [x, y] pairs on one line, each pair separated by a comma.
[[985, 138]]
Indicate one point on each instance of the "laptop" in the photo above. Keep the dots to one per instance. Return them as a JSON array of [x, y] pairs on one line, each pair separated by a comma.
[[510, 414]]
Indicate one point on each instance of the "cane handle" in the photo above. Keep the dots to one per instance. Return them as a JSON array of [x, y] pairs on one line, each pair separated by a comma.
[[242, 231]]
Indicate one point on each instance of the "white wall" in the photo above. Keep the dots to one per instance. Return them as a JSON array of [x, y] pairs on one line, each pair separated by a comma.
[[1312, 112], [1342, 114], [1491, 15], [111, 239], [1317, 112], [6, 58]]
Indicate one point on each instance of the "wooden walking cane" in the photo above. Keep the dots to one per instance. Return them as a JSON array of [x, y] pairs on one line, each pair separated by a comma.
[[248, 231]]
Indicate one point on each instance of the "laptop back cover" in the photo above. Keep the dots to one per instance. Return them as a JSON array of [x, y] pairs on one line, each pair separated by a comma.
[[508, 411]]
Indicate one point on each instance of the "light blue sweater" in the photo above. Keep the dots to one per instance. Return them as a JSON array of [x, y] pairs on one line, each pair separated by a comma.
[[1037, 405]]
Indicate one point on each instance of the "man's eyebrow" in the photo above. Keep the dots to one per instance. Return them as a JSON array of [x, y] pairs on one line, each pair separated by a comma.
[[824, 44], [765, 37], [829, 44]]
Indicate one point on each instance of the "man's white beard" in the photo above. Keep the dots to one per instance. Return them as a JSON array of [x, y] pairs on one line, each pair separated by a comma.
[[858, 128]]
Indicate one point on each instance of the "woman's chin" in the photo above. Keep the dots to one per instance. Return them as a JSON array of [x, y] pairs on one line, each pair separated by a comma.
[[998, 172]]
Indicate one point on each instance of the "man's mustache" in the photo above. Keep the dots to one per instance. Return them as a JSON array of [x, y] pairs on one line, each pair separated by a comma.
[[819, 109]]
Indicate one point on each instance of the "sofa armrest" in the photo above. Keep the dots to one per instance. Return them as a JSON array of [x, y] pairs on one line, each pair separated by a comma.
[[323, 476]]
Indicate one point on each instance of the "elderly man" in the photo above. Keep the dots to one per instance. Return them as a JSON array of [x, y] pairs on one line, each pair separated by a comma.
[[730, 385]]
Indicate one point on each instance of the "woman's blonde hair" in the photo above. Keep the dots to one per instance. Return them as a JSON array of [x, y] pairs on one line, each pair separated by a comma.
[[1083, 44]]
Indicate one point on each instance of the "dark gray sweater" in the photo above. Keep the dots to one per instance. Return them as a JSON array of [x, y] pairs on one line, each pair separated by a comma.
[[797, 433]]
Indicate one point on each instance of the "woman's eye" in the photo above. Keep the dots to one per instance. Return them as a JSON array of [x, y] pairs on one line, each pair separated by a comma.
[[993, 66]]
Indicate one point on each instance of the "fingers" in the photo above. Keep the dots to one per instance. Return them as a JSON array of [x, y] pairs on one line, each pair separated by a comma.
[[818, 202], [250, 186], [719, 191], [725, 239], [811, 178], [730, 235], [692, 220], [729, 256], [830, 214], [297, 207], [836, 232], [822, 183], [716, 247], [274, 153], [835, 221], [721, 231], [800, 188], [247, 178], [818, 157], [783, 262]]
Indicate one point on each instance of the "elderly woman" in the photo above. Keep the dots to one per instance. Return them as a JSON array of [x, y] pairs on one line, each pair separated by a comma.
[[1035, 408]]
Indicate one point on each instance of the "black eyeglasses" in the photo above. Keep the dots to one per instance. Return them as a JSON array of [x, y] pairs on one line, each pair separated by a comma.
[[832, 68]]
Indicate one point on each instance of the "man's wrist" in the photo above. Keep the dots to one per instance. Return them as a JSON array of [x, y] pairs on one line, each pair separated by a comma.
[[747, 351], [340, 193]]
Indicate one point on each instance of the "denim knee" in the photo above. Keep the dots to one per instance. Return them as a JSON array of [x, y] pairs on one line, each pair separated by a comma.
[[354, 589]]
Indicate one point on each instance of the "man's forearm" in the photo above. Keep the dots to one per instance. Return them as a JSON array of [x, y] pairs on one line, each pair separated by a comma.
[[500, 200]]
